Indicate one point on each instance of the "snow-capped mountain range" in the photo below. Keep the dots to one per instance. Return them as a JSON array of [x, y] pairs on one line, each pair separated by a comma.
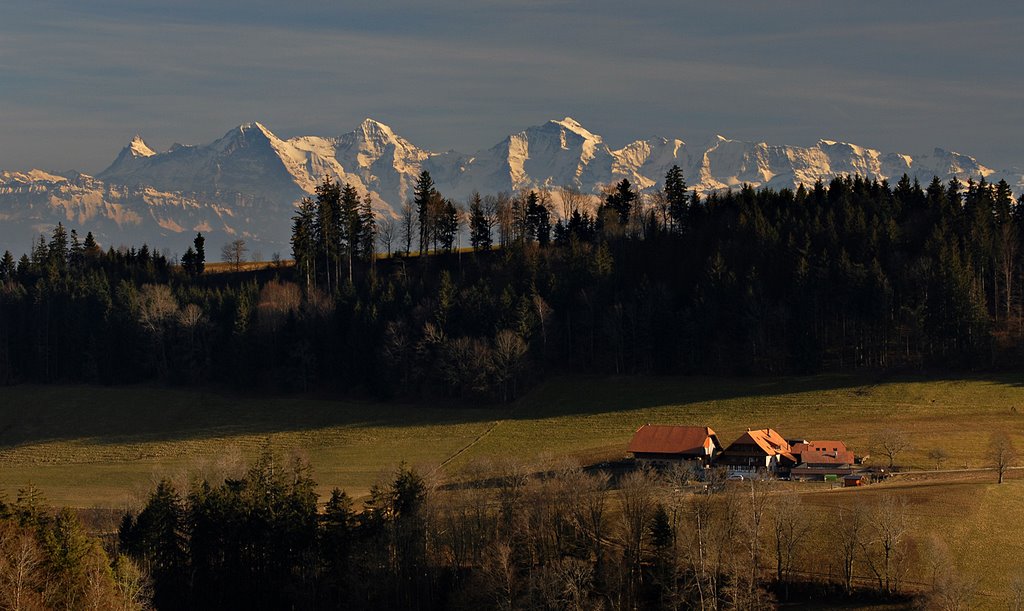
[[247, 182]]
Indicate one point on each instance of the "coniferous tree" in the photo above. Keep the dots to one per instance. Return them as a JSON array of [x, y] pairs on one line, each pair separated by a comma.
[[480, 225], [8, 267], [677, 199], [188, 261], [538, 220], [304, 242], [90, 247], [423, 194], [329, 230], [448, 223], [367, 247], [352, 229], [621, 200], [200, 259], [159, 536], [58, 251]]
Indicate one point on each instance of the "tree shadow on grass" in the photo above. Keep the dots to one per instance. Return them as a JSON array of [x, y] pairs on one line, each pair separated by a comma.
[[138, 414]]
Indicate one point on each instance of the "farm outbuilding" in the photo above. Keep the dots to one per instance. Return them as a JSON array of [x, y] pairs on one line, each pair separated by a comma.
[[853, 480], [659, 444]]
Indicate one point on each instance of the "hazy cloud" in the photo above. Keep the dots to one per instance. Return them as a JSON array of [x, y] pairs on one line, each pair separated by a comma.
[[78, 79]]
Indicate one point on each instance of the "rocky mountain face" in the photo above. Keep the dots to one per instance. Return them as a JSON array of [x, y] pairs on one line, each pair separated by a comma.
[[246, 183]]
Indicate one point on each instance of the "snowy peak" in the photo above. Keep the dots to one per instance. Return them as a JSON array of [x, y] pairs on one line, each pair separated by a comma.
[[553, 154], [558, 152], [139, 148], [130, 156], [372, 140], [246, 182], [245, 135], [373, 130], [951, 162], [573, 126]]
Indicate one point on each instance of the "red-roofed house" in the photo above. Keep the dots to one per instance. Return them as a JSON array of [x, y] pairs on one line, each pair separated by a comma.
[[756, 450], [822, 453], [820, 459], [664, 444]]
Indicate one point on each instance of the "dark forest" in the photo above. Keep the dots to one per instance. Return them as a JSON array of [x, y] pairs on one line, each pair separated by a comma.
[[850, 275]]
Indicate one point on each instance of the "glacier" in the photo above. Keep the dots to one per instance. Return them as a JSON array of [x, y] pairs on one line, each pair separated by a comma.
[[246, 183]]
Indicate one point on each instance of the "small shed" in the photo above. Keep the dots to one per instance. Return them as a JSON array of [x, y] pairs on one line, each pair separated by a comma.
[[853, 480]]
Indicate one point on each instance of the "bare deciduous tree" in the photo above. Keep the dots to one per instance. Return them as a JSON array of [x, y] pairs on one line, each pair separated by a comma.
[[850, 530], [790, 528], [636, 496], [588, 507], [156, 306], [572, 200], [132, 583], [754, 509], [21, 569], [891, 443], [277, 300], [190, 316], [939, 455], [1001, 453], [885, 549], [501, 572], [951, 589], [508, 354], [234, 253], [505, 219], [387, 232], [407, 225]]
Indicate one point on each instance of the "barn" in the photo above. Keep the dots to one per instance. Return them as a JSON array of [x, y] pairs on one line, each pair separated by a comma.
[[659, 444]]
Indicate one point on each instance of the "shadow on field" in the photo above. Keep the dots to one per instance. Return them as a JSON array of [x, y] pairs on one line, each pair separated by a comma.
[[107, 415]]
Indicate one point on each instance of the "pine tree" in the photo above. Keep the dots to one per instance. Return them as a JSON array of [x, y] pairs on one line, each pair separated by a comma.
[[76, 253], [447, 224], [337, 525], [367, 229], [328, 230], [621, 200], [7, 267], [538, 220], [422, 196], [479, 225], [58, 251], [188, 262], [200, 261], [159, 535], [304, 241], [351, 221], [678, 201], [90, 247]]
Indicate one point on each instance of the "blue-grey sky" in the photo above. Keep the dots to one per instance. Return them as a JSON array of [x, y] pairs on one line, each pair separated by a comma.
[[78, 79]]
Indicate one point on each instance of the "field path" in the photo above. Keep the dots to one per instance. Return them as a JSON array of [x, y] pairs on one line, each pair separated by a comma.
[[493, 426]]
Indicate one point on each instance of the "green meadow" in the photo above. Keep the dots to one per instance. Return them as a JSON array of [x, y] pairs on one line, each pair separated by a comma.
[[87, 446], [106, 446]]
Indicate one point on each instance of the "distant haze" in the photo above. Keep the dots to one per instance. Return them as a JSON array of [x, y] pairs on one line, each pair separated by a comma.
[[80, 78]]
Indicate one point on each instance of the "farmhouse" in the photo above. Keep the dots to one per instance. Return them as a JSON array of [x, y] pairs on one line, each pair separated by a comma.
[[828, 459], [822, 452], [662, 444], [756, 450]]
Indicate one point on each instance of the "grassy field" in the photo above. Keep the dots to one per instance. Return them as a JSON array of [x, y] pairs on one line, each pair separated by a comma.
[[98, 446]]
